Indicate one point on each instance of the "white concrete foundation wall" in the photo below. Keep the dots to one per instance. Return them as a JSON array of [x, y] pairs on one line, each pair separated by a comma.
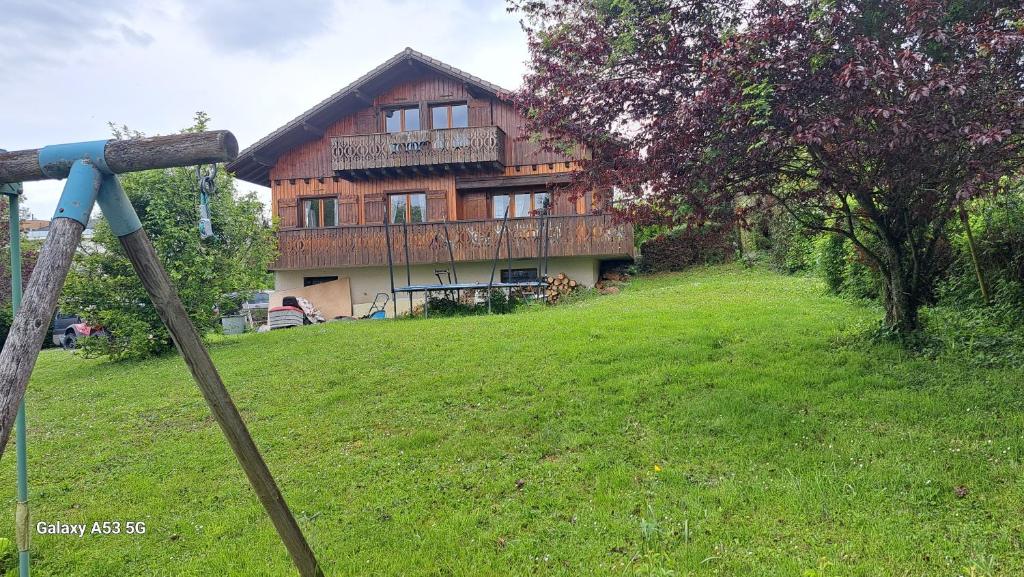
[[368, 281]]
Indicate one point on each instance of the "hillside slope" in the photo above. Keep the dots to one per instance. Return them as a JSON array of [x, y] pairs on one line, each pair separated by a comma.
[[721, 421]]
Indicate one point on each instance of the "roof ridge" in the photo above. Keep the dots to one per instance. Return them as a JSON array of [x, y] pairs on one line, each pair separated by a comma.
[[407, 53]]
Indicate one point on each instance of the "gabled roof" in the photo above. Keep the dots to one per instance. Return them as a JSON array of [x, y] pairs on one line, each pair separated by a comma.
[[253, 164]]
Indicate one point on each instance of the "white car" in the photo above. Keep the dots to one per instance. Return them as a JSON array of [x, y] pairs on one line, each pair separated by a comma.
[[258, 300]]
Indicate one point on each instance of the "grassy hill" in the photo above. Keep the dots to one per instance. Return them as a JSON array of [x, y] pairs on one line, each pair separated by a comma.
[[721, 421]]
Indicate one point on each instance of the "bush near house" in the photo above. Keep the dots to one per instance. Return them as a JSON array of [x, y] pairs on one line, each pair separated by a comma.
[[209, 274], [687, 246]]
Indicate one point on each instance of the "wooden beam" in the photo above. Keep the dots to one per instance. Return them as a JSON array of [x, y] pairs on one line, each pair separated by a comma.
[[34, 317], [474, 90], [360, 96], [484, 182], [131, 155], [263, 160], [168, 305], [313, 129]]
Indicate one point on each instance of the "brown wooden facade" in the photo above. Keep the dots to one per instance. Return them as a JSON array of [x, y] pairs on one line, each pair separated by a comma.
[[352, 159]]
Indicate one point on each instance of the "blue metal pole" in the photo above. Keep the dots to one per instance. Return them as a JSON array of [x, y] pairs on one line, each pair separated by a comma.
[[21, 512]]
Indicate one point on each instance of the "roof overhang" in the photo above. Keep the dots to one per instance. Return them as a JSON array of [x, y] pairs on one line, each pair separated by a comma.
[[254, 163]]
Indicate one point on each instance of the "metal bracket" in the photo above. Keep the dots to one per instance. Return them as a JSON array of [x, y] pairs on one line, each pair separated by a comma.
[[54, 160], [80, 192], [116, 207], [11, 189]]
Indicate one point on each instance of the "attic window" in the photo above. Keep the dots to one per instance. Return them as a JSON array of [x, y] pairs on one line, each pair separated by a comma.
[[401, 119]]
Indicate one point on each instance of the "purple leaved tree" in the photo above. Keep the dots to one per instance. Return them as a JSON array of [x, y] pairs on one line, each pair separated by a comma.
[[872, 119]]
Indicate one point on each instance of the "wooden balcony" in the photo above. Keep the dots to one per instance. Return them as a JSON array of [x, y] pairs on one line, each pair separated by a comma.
[[472, 240], [419, 152]]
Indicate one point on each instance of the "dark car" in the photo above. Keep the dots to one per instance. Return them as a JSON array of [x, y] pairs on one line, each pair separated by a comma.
[[67, 329]]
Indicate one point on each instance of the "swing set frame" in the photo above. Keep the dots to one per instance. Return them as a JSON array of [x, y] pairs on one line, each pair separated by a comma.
[[91, 169]]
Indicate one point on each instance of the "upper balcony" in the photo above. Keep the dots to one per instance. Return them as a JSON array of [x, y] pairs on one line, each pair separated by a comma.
[[419, 152]]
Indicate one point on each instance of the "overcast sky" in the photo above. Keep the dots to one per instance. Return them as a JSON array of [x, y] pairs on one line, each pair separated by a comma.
[[68, 67]]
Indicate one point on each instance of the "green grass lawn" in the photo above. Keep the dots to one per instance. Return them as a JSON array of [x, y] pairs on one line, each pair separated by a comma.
[[717, 422]]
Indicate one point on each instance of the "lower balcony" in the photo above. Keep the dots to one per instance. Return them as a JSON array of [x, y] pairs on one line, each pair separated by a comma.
[[474, 240]]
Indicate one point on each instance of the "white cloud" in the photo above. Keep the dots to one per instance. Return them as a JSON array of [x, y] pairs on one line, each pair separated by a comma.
[[251, 65]]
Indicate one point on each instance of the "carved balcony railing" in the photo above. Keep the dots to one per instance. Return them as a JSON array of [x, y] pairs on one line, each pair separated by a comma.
[[418, 151], [472, 240]]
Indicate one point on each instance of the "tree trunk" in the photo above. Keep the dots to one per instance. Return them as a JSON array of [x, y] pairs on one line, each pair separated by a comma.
[[901, 300]]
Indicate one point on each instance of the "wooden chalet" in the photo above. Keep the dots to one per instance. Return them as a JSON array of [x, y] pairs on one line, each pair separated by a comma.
[[421, 143]]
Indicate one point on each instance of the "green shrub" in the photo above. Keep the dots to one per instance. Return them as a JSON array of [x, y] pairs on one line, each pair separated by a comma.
[[133, 337], [859, 279], [686, 247], [787, 246], [843, 268], [6, 317], [8, 557], [990, 336], [644, 233], [797, 253], [830, 260], [103, 288], [500, 301], [998, 230]]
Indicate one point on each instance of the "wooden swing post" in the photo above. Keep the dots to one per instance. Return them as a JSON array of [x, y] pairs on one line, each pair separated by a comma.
[[91, 170]]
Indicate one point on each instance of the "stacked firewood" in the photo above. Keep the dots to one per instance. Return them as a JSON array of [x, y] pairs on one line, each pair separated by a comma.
[[610, 282], [559, 286]]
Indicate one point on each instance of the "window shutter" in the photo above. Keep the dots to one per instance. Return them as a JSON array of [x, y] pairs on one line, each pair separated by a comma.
[[474, 206], [348, 210], [437, 205], [479, 112], [563, 204], [366, 121], [374, 208], [287, 213]]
